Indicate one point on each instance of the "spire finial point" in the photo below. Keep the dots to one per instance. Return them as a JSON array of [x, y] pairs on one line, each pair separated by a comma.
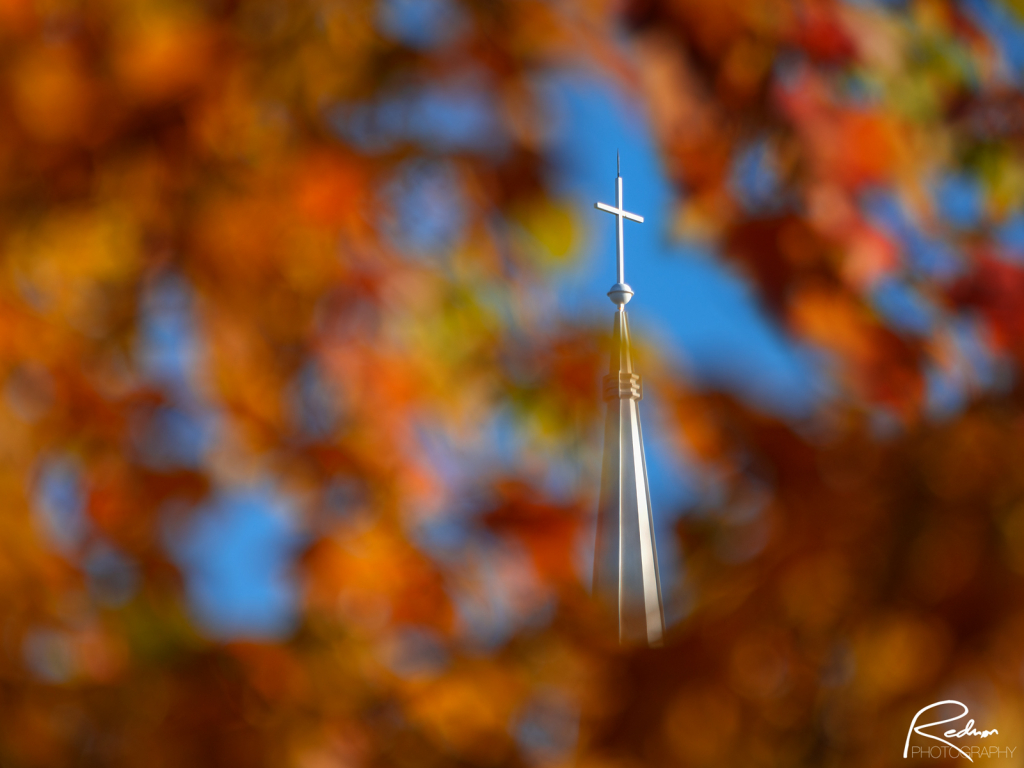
[[619, 296]]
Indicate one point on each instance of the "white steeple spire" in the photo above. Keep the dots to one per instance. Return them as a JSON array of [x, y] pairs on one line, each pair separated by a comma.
[[626, 572]]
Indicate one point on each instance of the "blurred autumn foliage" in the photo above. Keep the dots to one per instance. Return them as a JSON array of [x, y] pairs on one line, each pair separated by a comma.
[[212, 280]]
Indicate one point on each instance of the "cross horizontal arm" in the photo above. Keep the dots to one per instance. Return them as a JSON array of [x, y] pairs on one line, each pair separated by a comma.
[[619, 212]]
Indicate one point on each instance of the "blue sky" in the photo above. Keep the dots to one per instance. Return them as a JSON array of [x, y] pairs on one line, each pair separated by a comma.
[[701, 312]]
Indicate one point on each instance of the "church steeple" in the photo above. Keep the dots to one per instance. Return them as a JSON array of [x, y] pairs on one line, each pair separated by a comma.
[[626, 572]]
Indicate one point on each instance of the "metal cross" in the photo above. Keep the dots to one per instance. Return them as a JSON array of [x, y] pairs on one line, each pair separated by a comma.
[[621, 213]]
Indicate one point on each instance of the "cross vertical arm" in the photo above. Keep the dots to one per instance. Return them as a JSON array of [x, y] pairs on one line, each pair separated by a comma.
[[620, 217]]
